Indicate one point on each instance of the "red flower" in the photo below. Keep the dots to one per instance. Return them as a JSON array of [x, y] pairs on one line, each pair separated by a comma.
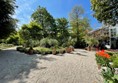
[[103, 54]]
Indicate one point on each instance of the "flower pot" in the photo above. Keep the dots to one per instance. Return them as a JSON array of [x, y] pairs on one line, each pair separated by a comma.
[[30, 52], [68, 50], [90, 48]]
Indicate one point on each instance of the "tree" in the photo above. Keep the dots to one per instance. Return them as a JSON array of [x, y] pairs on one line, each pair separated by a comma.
[[7, 23], [106, 11], [36, 31], [43, 18], [79, 25], [13, 39], [24, 34], [62, 30], [30, 33]]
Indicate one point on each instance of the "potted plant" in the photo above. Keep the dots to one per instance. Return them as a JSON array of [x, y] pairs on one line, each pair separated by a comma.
[[68, 50]]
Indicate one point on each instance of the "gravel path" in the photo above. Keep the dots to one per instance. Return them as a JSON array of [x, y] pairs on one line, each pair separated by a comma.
[[78, 67]]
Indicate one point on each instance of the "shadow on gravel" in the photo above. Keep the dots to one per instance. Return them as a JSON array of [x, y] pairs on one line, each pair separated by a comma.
[[83, 51], [47, 58], [16, 65], [81, 54], [77, 53]]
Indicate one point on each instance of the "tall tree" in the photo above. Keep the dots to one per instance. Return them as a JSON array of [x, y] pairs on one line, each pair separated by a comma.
[[106, 11], [79, 25], [62, 29], [43, 17], [7, 23]]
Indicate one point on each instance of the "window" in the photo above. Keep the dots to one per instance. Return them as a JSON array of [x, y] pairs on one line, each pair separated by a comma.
[[113, 32]]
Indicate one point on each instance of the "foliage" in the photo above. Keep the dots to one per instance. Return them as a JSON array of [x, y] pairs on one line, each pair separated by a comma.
[[62, 30], [13, 39], [47, 42], [3, 45], [102, 58], [105, 11], [70, 42], [43, 18], [109, 75], [7, 23], [21, 49], [91, 41], [80, 26], [115, 62], [30, 34], [35, 30], [43, 50], [24, 34]]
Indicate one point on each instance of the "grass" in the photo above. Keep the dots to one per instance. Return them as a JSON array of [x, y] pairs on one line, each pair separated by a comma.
[[4, 46]]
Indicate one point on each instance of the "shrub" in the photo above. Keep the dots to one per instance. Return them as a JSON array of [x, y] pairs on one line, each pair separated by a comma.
[[3, 45], [22, 49], [115, 62], [42, 50], [46, 51], [46, 42], [13, 40], [112, 53], [62, 51]]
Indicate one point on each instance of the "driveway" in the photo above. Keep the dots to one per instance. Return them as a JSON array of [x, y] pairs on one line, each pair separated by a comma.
[[77, 67]]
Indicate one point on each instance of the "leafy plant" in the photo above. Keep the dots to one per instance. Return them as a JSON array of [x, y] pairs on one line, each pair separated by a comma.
[[46, 42], [3, 45], [21, 49], [108, 75], [102, 58], [115, 62]]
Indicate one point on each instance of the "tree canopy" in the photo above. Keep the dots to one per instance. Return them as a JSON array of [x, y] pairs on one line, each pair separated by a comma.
[[7, 23], [62, 30], [79, 25], [43, 18], [106, 11]]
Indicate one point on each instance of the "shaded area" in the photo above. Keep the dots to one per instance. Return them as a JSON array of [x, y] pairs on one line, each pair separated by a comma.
[[16, 65]]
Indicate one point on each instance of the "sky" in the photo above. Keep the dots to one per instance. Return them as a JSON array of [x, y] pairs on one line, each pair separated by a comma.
[[57, 8]]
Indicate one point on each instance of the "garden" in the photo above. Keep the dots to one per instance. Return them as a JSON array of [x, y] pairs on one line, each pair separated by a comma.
[[107, 61], [45, 34]]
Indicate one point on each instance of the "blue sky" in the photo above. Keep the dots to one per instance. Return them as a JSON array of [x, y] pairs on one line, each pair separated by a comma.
[[57, 8]]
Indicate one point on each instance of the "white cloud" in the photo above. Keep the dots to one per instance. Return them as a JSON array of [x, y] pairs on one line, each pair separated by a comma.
[[24, 10]]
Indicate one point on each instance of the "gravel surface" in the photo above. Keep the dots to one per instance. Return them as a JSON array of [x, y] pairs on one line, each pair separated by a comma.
[[78, 67]]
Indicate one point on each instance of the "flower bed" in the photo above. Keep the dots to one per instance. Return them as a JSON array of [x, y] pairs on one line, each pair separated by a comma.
[[108, 63]]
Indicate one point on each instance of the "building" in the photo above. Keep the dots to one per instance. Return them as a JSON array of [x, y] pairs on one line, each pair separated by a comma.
[[113, 36], [109, 34]]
